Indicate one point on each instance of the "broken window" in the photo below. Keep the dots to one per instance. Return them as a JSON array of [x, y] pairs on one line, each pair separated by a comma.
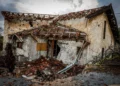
[[19, 44], [41, 47], [104, 33]]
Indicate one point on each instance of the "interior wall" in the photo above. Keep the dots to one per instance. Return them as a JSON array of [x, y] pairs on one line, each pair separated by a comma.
[[68, 50]]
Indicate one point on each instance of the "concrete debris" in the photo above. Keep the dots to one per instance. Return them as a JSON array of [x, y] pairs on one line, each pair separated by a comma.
[[44, 69]]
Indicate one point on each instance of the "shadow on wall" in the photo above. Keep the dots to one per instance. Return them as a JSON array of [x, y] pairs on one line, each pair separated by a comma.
[[8, 61]]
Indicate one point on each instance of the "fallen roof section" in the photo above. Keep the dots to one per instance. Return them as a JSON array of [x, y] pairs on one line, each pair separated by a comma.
[[55, 32]]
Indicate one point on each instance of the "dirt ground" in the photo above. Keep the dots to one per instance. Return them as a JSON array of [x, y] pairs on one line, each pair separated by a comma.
[[91, 75], [84, 79]]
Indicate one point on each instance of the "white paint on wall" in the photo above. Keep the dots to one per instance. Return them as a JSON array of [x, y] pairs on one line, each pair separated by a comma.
[[94, 28], [68, 51], [29, 49]]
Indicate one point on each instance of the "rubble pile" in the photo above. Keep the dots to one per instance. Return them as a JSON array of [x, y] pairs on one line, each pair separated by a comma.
[[47, 69], [43, 64]]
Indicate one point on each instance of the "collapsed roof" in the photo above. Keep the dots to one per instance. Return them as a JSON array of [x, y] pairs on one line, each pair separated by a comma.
[[56, 32], [54, 18]]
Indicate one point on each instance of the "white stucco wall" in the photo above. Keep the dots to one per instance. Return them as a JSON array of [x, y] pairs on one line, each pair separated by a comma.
[[94, 28], [29, 49], [68, 50]]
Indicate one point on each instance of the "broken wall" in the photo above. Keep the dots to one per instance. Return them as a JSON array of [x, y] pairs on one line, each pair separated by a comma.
[[29, 49], [68, 50], [16, 25]]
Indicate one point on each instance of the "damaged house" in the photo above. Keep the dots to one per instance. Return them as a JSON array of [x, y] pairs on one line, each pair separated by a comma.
[[78, 35]]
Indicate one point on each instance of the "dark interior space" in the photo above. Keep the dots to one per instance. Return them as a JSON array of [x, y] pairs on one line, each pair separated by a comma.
[[56, 49]]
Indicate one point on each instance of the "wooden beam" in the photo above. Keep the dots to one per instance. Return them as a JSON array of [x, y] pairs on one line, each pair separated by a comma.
[[52, 48]]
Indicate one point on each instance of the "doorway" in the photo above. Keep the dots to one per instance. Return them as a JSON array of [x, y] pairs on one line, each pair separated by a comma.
[[53, 49]]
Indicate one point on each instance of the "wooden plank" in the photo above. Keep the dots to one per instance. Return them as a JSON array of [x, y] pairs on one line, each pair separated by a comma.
[[52, 46], [41, 47], [34, 37]]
